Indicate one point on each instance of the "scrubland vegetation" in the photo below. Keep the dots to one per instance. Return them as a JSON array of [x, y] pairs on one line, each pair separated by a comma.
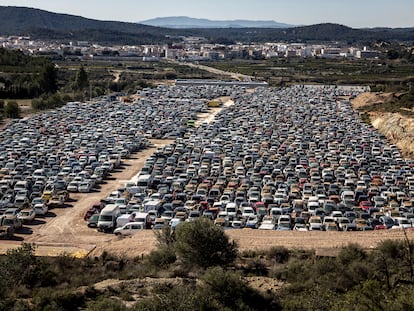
[[180, 275]]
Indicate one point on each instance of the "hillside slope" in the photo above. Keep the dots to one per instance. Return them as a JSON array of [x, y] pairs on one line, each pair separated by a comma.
[[398, 128], [40, 24]]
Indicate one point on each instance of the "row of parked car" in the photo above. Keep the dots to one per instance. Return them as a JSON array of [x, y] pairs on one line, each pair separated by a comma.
[[296, 158], [75, 147], [273, 158]]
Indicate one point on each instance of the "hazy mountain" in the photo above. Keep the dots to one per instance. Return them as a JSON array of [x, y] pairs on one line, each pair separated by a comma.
[[189, 22]]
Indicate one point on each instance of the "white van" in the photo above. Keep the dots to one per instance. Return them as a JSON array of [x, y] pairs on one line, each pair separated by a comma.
[[107, 217], [152, 205], [231, 209], [129, 228], [138, 217], [348, 196]]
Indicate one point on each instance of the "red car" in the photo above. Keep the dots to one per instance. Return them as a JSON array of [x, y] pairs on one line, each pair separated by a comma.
[[366, 205], [380, 227], [95, 209]]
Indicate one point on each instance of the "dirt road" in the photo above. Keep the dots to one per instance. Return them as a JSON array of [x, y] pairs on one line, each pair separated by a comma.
[[234, 75]]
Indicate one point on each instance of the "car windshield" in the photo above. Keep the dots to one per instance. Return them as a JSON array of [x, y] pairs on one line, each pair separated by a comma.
[[93, 217], [8, 222]]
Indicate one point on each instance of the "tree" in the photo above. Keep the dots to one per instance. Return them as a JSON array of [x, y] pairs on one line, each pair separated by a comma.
[[48, 79], [17, 268], [1, 109], [393, 54], [81, 81], [11, 110], [201, 243]]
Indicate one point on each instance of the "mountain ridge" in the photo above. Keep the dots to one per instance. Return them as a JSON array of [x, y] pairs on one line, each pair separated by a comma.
[[49, 26]]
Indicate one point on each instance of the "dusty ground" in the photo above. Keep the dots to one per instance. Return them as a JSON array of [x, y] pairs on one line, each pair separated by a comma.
[[368, 99], [249, 239], [65, 231]]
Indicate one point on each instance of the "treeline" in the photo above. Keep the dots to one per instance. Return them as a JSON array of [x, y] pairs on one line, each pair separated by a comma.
[[24, 76], [196, 267], [157, 35]]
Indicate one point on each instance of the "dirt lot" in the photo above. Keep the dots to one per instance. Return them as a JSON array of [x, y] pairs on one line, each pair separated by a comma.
[[65, 231], [249, 239]]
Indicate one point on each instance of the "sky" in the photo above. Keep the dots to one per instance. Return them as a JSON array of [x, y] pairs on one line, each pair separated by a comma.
[[352, 13]]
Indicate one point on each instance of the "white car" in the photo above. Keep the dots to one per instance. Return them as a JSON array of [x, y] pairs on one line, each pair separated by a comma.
[[129, 228], [175, 222], [300, 227], [267, 225], [26, 215], [73, 186], [401, 223], [40, 209], [248, 211], [84, 187]]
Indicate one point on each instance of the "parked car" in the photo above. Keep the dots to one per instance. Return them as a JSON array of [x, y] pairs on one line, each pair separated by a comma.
[[84, 187], [362, 224], [92, 221], [267, 225], [40, 209], [315, 223], [12, 221], [252, 222], [129, 228], [331, 226], [27, 215]]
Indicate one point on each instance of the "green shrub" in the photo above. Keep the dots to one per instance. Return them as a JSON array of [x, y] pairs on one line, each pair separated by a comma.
[[165, 236], [203, 244], [230, 290], [105, 304], [350, 253], [60, 300], [12, 110], [280, 254], [161, 258]]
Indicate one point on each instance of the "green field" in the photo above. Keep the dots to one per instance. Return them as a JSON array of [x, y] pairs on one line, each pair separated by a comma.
[[280, 71]]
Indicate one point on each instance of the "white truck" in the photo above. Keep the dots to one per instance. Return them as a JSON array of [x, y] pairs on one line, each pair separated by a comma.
[[144, 181], [107, 218], [135, 217]]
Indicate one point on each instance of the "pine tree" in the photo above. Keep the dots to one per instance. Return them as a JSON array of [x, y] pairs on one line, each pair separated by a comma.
[[81, 81]]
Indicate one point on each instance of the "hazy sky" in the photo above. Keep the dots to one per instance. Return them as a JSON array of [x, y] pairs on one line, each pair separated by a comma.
[[353, 13]]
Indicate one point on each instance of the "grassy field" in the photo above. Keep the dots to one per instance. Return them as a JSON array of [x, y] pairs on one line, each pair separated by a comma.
[[336, 71]]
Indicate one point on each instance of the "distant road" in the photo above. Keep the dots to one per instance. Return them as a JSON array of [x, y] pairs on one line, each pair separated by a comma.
[[233, 75]]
